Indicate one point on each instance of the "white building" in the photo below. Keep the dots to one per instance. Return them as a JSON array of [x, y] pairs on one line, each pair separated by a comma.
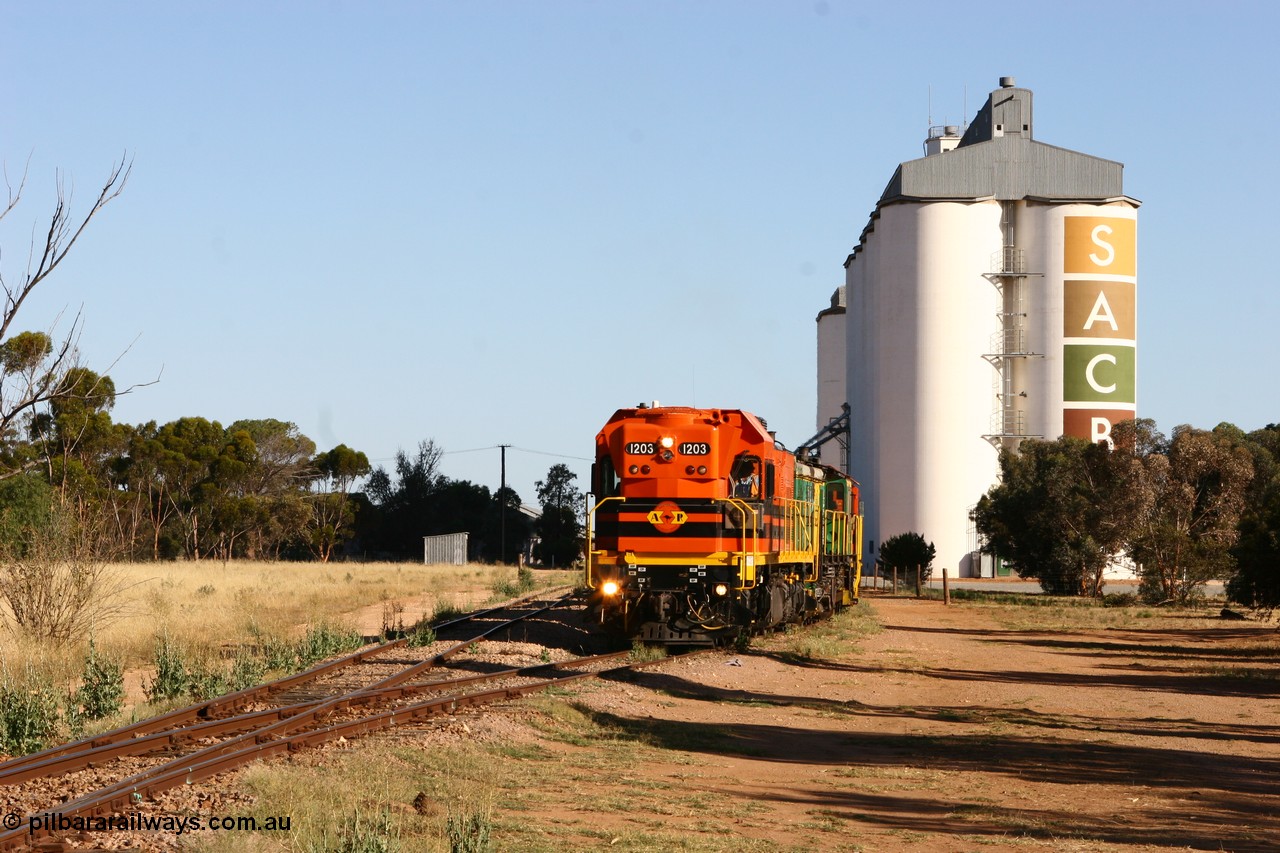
[[990, 298]]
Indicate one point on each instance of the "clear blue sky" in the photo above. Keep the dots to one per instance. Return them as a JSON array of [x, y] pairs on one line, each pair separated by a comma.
[[495, 223]]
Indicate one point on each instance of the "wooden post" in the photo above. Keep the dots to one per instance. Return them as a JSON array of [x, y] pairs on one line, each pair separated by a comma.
[[946, 589], [917, 580], [895, 580]]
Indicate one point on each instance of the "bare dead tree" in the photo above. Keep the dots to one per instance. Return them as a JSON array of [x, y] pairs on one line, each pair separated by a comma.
[[54, 580], [60, 237], [33, 366]]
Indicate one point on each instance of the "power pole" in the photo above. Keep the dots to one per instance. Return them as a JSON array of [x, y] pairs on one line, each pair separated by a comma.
[[502, 507]]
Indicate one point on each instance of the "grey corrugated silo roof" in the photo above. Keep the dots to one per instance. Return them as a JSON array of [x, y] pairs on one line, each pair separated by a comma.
[[999, 158], [1007, 168]]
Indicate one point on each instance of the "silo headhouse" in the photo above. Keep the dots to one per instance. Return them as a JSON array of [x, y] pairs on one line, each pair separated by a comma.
[[992, 297]]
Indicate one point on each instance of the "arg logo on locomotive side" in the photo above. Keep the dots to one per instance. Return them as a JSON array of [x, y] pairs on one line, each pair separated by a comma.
[[667, 517]]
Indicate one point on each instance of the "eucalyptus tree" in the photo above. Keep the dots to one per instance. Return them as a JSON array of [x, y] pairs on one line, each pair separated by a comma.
[[1062, 512], [560, 526], [332, 511], [404, 504], [269, 502], [183, 455], [1256, 581], [1198, 492]]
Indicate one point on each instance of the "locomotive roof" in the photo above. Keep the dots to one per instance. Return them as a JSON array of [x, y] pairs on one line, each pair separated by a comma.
[[758, 424]]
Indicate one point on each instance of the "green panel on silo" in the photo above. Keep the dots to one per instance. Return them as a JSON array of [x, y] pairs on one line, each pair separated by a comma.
[[1099, 373]]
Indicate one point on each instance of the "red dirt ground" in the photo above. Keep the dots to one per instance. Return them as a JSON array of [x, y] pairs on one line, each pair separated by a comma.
[[950, 732]]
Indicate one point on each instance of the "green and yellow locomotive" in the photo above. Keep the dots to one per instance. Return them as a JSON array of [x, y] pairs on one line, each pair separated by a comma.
[[704, 526]]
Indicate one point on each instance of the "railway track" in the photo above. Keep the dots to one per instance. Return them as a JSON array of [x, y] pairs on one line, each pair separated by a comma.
[[209, 718], [371, 690]]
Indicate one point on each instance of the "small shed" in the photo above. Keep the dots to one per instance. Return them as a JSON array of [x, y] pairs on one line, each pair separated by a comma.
[[448, 549]]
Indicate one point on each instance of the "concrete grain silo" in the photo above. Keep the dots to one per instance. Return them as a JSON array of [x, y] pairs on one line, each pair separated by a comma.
[[990, 298], [832, 377]]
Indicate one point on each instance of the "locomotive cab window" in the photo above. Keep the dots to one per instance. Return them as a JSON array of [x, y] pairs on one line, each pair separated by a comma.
[[770, 481], [605, 478], [744, 477]]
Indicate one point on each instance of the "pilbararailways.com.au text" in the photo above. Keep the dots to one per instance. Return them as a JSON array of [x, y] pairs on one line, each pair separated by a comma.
[[140, 822]]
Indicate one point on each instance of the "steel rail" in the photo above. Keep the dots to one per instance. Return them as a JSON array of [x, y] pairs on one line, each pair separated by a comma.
[[214, 761], [281, 728], [177, 719], [60, 764]]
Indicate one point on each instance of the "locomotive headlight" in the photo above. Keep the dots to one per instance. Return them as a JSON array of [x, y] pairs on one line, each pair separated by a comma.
[[668, 442], [609, 588], [721, 589]]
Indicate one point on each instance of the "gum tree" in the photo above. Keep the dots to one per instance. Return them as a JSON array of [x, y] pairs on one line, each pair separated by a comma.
[[1256, 582], [1198, 490], [1062, 512]]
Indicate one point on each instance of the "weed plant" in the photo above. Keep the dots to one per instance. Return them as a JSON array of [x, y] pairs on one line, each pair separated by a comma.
[[326, 640], [445, 613], [642, 652], [421, 634], [361, 834], [29, 712], [172, 679], [101, 691], [247, 670], [470, 833], [179, 675]]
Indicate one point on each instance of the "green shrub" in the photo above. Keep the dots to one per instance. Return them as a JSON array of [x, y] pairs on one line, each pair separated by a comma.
[[279, 655], [246, 670], [172, 679], [28, 713], [206, 682], [325, 640], [421, 634], [101, 691], [906, 551]]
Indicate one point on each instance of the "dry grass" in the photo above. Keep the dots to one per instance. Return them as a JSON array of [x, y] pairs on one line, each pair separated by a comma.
[[209, 608], [1070, 615], [507, 787], [827, 639]]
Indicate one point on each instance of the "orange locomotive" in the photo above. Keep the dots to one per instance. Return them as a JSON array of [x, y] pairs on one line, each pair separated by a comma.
[[705, 527]]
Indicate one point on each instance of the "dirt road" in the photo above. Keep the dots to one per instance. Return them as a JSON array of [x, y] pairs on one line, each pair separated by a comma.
[[955, 730]]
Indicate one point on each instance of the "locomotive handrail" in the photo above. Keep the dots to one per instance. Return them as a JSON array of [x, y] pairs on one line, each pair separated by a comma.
[[743, 508], [591, 533], [838, 538], [797, 523], [800, 532]]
